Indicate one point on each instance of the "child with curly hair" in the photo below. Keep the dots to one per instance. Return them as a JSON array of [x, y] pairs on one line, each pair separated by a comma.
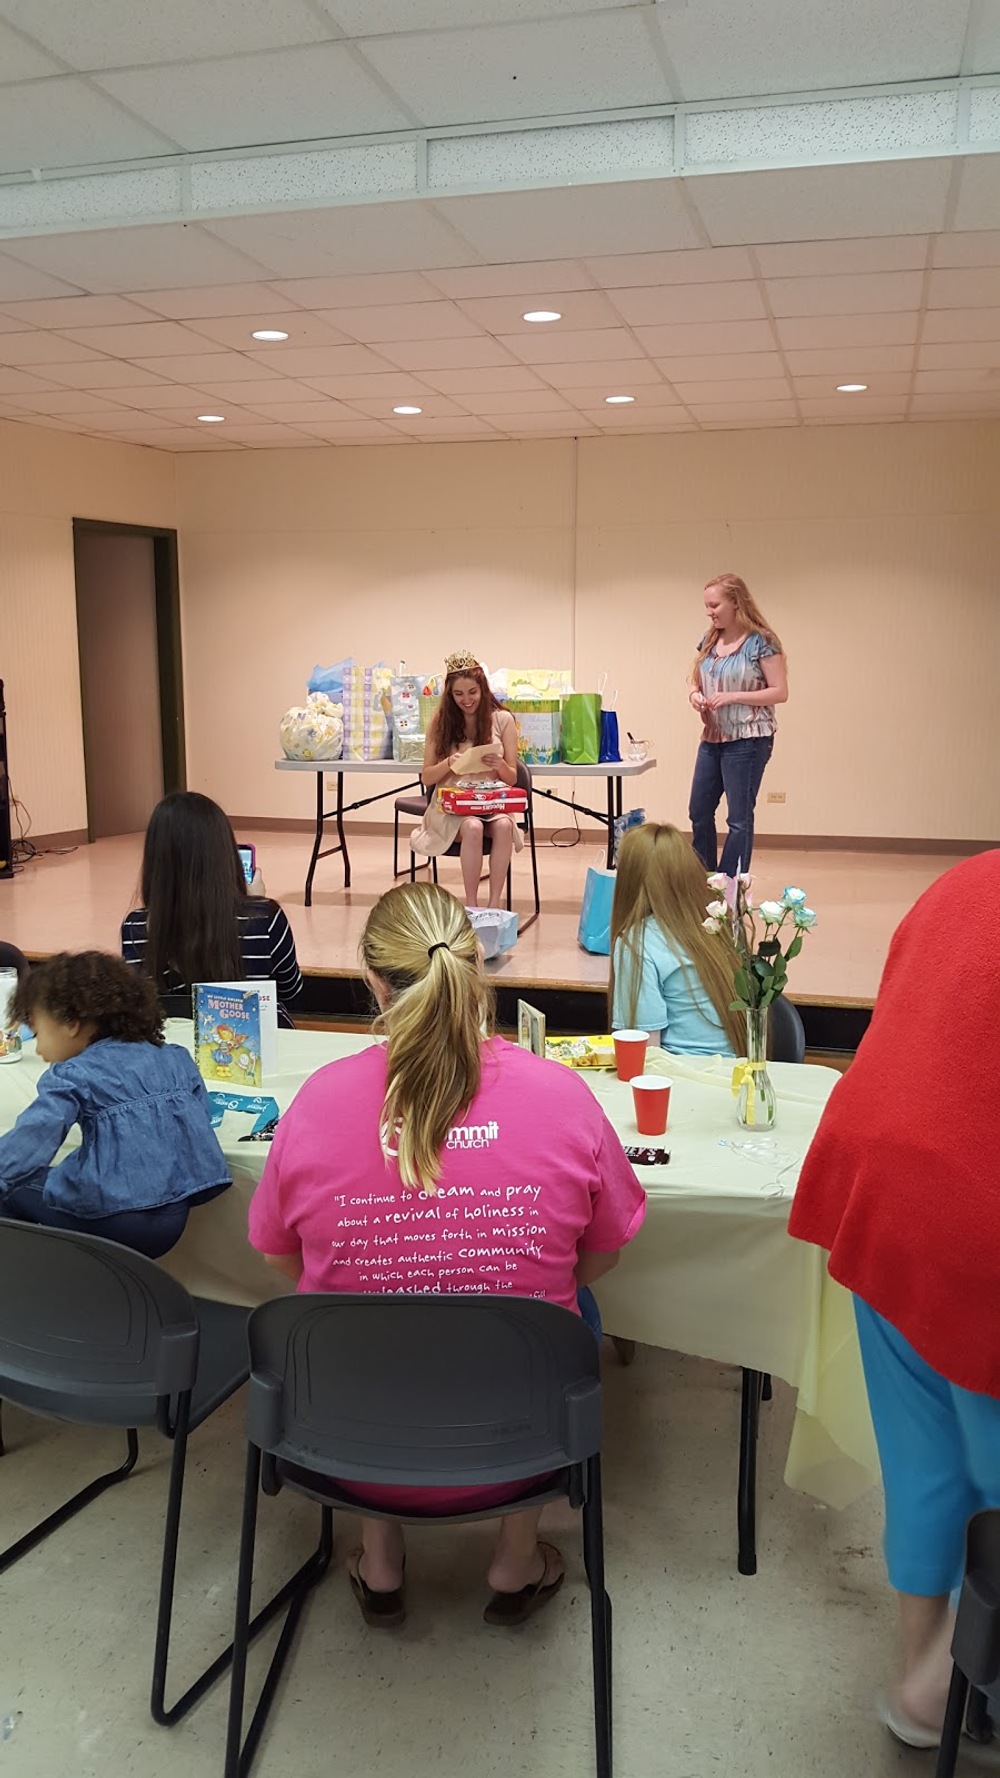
[[147, 1148]]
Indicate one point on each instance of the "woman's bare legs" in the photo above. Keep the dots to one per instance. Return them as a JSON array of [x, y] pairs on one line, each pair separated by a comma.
[[518, 1561], [382, 1552], [926, 1626], [472, 859], [501, 847]]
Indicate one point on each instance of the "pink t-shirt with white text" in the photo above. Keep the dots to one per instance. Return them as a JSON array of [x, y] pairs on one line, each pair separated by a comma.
[[533, 1175]]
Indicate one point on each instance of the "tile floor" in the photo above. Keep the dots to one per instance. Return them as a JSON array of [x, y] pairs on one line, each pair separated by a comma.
[[771, 1677]]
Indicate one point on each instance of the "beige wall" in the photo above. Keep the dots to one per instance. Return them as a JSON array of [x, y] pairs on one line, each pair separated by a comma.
[[872, 549], [47, 479]]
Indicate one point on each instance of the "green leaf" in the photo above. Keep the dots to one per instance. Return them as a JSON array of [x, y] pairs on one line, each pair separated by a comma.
[[794, 948], [738, 1006]]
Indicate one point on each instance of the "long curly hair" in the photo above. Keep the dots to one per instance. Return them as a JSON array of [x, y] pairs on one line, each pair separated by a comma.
[[447, 730], [92, 987]]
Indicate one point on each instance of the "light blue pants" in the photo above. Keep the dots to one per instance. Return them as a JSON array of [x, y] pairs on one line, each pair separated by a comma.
[[939, 1447]]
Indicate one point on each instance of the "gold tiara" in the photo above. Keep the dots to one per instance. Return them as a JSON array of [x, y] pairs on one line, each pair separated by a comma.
[[461, 662]]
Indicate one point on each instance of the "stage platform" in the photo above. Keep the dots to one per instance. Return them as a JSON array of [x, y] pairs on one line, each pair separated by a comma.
[[77, 900]]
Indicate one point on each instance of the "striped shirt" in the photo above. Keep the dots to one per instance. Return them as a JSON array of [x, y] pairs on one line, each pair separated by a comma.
[[736, 672], [265, 940]]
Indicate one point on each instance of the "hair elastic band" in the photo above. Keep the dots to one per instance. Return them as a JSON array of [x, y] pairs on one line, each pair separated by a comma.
[[442, 945]]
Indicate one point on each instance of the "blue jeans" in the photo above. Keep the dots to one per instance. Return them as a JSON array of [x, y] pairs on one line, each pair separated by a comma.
[[737, 768], [152, 1232]]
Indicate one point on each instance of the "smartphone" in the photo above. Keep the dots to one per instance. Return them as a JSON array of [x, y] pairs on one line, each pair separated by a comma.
[[248, 859], [647, 1157]]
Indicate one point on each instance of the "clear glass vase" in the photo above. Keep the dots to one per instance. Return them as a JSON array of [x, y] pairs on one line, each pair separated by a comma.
[[756, 1108]]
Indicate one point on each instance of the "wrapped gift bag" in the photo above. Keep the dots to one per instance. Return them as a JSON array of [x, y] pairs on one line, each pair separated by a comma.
[[482, 799], [367, 713], [330, 680], [313, 731], [415, 697], [594, 930], [581, 728], [495, 928], [539, 729]]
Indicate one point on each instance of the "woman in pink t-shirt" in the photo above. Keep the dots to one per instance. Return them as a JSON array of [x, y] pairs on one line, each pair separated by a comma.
[[444, 1160]]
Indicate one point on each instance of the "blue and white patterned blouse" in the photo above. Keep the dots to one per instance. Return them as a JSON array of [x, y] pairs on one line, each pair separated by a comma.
[[740, 671]]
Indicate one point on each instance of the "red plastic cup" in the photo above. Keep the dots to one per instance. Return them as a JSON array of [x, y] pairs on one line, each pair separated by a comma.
[[651, 1097], [630, 1052]]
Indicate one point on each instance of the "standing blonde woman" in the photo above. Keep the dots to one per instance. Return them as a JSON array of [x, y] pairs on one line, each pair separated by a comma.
[[356, 1194], [668, 975], [738, 678]]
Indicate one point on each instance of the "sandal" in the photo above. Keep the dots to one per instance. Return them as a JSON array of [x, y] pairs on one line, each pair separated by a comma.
[[507, 1609], [381, 1611], [904, 1727]]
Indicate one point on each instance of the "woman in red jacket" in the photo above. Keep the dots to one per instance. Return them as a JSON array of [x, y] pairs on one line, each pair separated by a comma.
[[902, 1187]]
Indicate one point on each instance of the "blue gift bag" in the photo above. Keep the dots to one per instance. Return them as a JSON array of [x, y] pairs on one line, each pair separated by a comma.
[[610, 748], [594, 930]]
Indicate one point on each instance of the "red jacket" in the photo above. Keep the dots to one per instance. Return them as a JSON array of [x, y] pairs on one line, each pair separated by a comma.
[[902, 1182]]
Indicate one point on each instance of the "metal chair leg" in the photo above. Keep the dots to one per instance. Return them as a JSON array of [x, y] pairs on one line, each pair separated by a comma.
[[951, 1733], [46, 1526], [766, 1389], [600, 1619], [978, 1722], [746, 1500]]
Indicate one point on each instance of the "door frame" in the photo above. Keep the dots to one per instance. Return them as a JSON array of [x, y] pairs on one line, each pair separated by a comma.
[[169, 663]]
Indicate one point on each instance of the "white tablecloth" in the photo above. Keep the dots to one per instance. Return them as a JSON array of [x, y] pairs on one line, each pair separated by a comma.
[[712, 1272]]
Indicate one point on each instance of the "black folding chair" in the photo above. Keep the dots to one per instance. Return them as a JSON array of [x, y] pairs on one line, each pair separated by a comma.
[[414, 806], [527, 824], [975, 1645], [97, 1335], [430, 1392]]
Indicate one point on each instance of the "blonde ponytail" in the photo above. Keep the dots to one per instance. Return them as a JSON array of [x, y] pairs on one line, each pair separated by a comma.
[[418, 939]]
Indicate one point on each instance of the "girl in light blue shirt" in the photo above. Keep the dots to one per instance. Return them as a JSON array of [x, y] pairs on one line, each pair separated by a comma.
[[668, 975]]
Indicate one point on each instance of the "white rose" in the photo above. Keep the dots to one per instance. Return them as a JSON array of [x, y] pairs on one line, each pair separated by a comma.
[[771, 912], [794, 898], [711, 926], [804, 918], [745, 879], [717, 910], [717, 880]]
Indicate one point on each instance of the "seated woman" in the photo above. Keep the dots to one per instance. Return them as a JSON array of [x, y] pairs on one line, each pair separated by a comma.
[[147, 1148], [197, 923], [668, 975], [469, 716], [443, 1105]]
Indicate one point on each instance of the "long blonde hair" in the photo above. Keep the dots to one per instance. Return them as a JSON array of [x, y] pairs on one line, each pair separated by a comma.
[[419, 940], [660, 875], [747, 610]]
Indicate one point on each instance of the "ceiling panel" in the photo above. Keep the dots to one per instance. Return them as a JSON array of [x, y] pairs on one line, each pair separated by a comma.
[[20, 282], [149, 339], [286, 96], [548, 68], [748, 413], [316, 361], [421, 355], [808, 259], [392, 388], [864, 294], [646, 395], [547, 345], [622, 218], [578, 308], [101, 373], [162, 397], [253, 392], [302, 329], [403, 321], [961, 355], [353, 292], [135, 259], [706, 336], [840, 412], [206, 301], [823, 203], [64, 403], [611, 377], [516, 401], [352, 239], [978, 203], [468, 283], [21, 59], [294, 411], [38, 347], [73, 127], [107, 34], [657, 305], [962, 324], [896, 383], [741, 390], [22, 382], [482, 382], [76, 311], [219, 367], [808, 332], [362, 18], [784, 46], [713, 366], [982, 248], [697, 265], [847, 363], [967, 288]]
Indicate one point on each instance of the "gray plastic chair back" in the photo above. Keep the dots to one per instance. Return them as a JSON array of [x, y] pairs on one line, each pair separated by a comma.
[[786, 1032], [428, 1391], [89, 1331]]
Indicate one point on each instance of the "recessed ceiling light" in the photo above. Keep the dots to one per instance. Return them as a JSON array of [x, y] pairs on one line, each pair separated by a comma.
[[211, 419], [851, 388], [542, 315], [270, 333], [618, 400], [407, 410]]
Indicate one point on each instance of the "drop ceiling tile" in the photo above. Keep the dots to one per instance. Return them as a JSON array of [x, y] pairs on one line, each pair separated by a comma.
[[433, 407], [119, 420], [707, 337], [474, 282], [164, 396], [457, 427], [821, 259], [610, 377], [978, 193], [316, 361], [135, 259], [75, 311], [647, 395], [906, 197], [355, 292], [828, 332], [292, 412], [238, 331], [744, 389], [20, 60], [846, 365], [403, 321], [151, 339], [862, 293], [113, 36], [946, 382], [966, 288], [255, 390], [285, 95], [102, 373], [849, 413], [544, 425], [698, 265], [74, 126], [20, 282], [354, 432], [482, 382], [421, 355], [370, 18], [751, 419], [64, 403], [958, 404], [204, 302], [673, 304], [546, 68], [578, 308], [550, 345], [962, 324], [38, 347], [205, 367], [515, 401], [712, 366], [881, 385], [982, 247], [9, 325], [180, 438], [262, 434], [347, 238], [661, 419], [350, 386], [232, 414], [961, 355], [570, 221]]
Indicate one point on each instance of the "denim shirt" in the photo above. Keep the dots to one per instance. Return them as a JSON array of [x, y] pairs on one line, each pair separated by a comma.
[[145, 1126]]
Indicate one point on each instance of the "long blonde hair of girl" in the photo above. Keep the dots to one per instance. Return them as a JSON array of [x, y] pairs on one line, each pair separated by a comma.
[[660, 874], [747, 611], [418, 939]]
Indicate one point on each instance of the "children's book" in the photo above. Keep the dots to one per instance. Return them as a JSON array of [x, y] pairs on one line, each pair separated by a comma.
[[530, 1028], [236, 1033]]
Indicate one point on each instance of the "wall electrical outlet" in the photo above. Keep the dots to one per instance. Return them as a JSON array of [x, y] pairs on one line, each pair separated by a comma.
[[775, 796]]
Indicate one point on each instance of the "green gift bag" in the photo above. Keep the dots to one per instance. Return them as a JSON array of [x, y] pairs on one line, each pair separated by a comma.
[[581, 728]]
